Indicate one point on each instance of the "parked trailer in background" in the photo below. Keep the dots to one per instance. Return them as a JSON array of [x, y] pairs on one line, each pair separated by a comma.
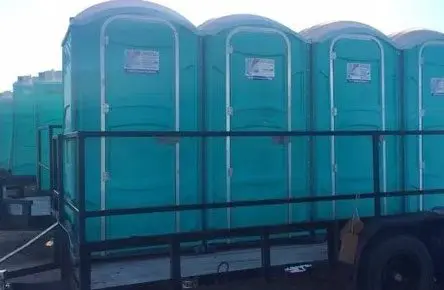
[[37, 111]]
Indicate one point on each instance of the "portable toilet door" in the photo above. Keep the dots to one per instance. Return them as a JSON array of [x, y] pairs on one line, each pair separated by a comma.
[[423, 52], [355, 76], [48, 88], [23, 152], [254, 76], [141, 75], [5, 131]]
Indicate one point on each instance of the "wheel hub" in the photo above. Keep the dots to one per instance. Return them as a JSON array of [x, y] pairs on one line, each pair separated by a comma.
[[401, 273], [397, 277]]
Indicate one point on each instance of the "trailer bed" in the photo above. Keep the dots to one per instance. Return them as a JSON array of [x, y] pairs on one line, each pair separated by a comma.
[[119, 273]]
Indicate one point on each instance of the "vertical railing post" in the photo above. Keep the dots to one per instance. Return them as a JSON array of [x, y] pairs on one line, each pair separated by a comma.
[[55, 210], [266, 256], [52, 164], [376, 173], [84, 254], [57, 195], [59, 160], [50, 161], [39, 158], [203, 142], [62, 239], [175, 266], [403, 139], [58, 176], [312, 139], [333, 242]]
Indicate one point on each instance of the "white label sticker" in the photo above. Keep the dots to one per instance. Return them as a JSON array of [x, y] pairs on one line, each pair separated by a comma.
[[437, 86], [15, 209], [259, 68], [142, 61], [359, 72]]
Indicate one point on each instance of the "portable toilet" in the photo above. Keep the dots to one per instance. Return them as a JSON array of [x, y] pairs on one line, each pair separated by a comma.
[[255, 79], [423, 62], [23, 152], [5, 131], [131, 65], [48, 88], [355, 86]]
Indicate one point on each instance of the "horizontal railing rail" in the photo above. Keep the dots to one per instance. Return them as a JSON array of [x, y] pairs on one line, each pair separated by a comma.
[[190, 134], [247, 203]]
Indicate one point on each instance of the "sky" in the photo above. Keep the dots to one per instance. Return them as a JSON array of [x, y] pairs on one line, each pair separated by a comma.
[[31, 31]]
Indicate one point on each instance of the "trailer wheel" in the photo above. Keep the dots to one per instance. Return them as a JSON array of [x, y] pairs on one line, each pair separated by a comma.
[[396, 263]]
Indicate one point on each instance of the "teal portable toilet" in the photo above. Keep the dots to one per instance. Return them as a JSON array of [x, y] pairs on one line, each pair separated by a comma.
[[48, 89], [132, 66], [356, 82], [5, 130], [423, 56], [255, 79], [23, 152]]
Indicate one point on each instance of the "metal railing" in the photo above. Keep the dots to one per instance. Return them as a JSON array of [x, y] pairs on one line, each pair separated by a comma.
[[173, 240], [41, 165]]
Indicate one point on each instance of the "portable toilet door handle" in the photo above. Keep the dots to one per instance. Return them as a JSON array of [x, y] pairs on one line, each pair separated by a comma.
[[105, 176], [105, 108]]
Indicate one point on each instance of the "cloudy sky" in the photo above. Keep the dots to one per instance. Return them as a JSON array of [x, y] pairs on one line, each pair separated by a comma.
[[31, 30]]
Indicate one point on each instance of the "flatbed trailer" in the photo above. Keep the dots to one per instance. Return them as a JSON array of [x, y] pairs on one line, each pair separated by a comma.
[[402, 251]]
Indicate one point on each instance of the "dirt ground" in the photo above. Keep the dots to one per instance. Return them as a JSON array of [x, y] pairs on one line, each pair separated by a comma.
[[39, 253]]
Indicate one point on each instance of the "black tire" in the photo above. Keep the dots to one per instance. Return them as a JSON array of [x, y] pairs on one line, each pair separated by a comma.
[[376, 267]]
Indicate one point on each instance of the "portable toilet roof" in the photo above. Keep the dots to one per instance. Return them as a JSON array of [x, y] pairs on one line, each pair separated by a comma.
[[108, 8], [49, 76], [409, 38], [6, 95], [320, 32], [24, 80], [216, 25]]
